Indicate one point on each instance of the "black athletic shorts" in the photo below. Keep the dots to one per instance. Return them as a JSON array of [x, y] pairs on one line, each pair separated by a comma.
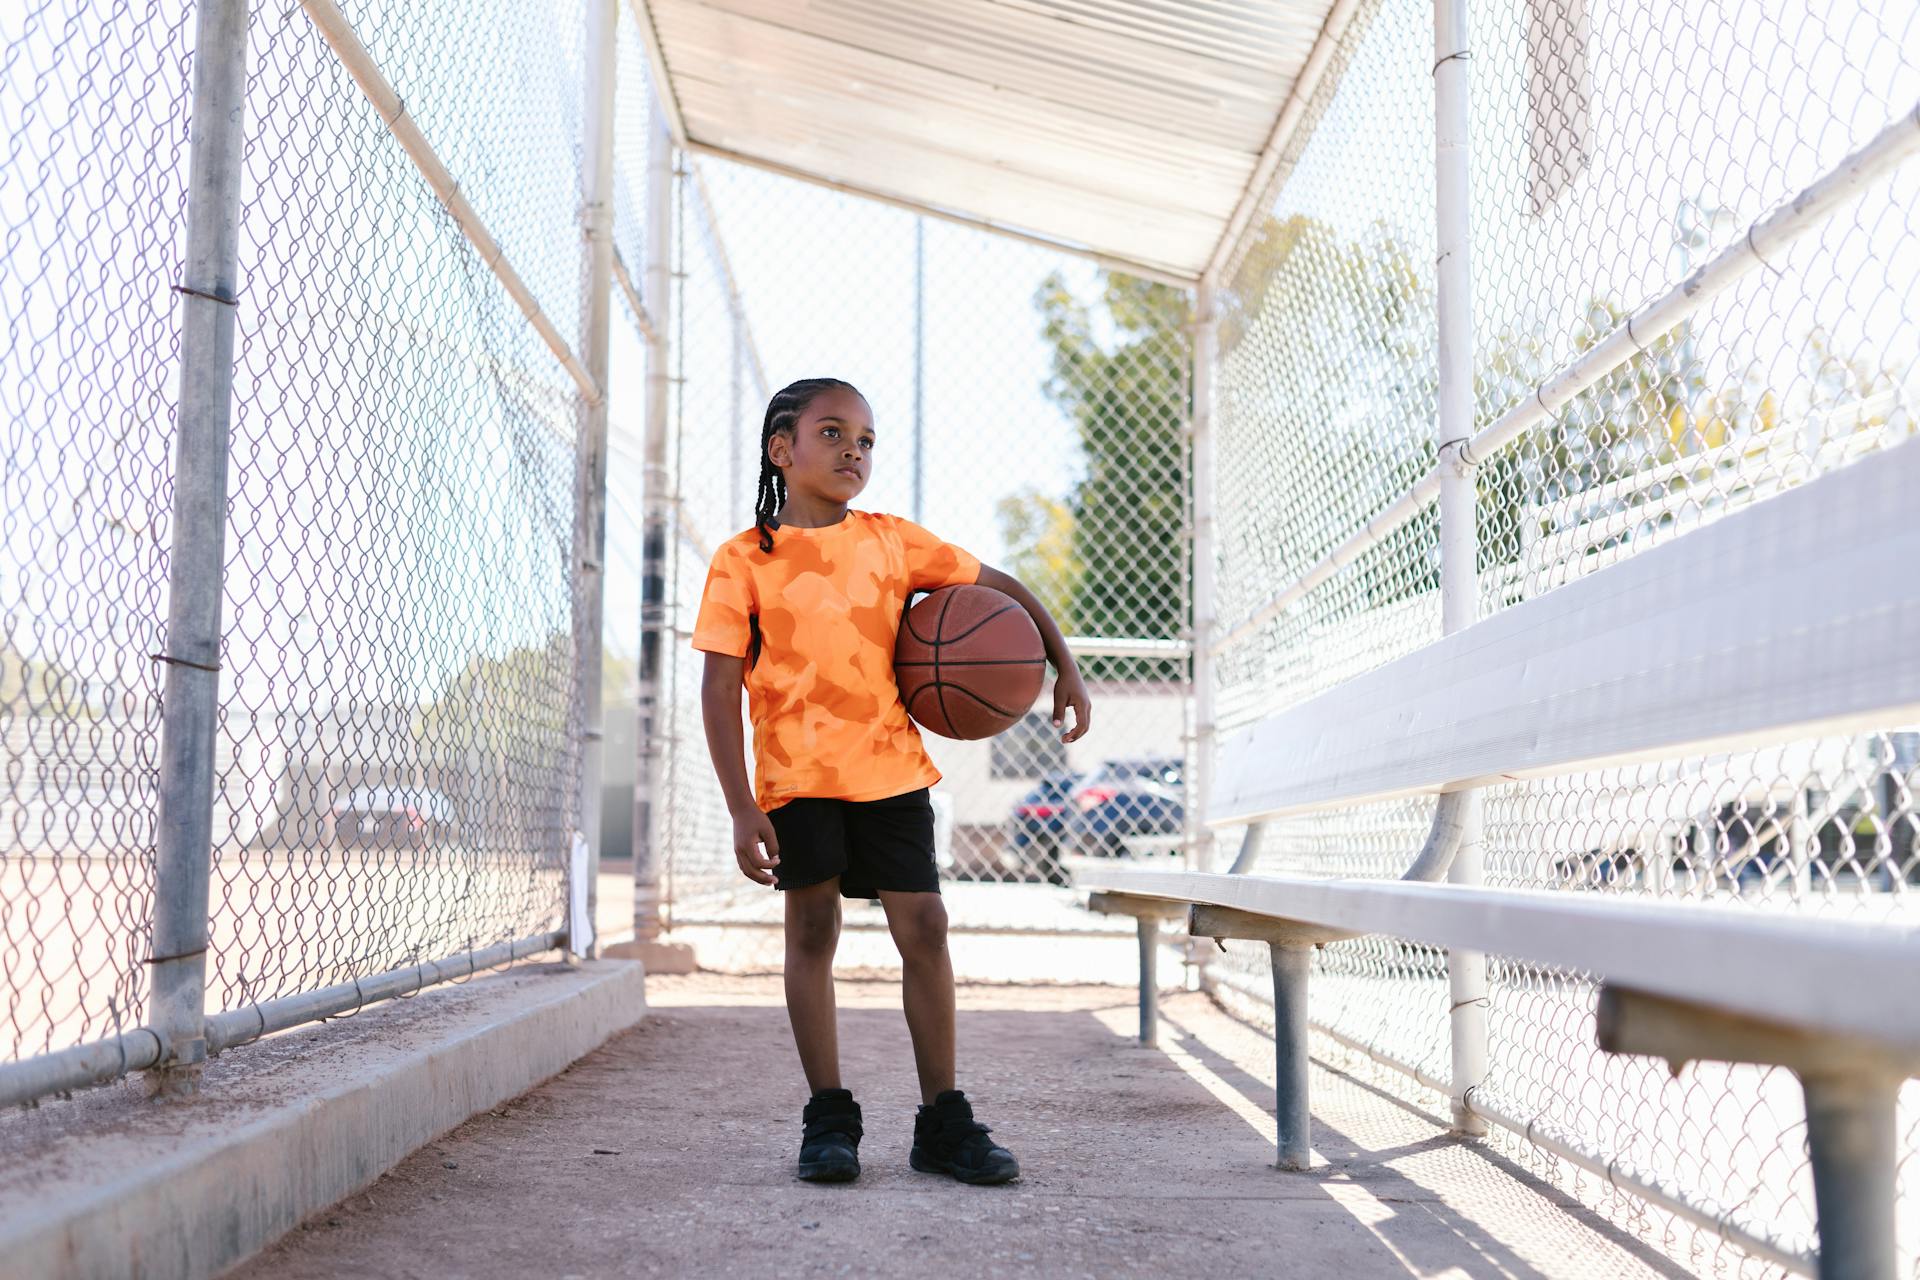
[[870, 844]]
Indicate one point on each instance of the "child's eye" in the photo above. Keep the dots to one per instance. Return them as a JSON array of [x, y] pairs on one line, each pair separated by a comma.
[[830, 432], [866, 444]]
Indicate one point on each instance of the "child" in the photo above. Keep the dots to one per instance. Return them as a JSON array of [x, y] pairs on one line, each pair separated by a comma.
[[802, 611]]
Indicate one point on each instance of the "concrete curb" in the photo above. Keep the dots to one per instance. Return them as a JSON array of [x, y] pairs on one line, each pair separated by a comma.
[[243, 1169]]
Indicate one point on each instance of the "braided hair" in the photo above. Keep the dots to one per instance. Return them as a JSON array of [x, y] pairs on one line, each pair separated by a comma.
[[783, 414]]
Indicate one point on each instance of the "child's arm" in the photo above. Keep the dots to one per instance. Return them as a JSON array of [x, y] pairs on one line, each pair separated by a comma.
[[720, 688], [1069, 690]]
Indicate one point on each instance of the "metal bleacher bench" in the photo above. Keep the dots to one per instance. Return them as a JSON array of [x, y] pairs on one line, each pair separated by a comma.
[[1818, 599]]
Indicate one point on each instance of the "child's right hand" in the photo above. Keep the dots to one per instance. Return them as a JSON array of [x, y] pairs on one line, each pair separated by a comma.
[[750, 831]]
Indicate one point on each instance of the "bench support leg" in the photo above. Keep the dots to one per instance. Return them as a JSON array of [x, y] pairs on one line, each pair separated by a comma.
[[1292, 1111], [1851, 1086], [1851, 1138], [1149, 930], [1290, 947], [1147, 914]]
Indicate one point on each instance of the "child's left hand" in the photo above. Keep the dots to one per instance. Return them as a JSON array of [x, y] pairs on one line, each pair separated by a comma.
[[1069, 690]]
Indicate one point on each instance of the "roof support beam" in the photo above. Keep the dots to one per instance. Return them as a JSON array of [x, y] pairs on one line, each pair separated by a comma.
[[1305, 86], [663, 95]]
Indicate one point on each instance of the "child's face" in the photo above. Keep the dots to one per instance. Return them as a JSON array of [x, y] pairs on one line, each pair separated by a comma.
[[830, 455]]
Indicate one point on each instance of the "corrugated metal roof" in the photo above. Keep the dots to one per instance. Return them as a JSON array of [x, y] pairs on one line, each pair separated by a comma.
[[1129, 128]]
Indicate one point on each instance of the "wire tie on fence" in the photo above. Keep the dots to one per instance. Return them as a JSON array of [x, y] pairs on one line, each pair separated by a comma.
[[1482, 1001], [210, 297], [1633, 337], [1754, 249], [119, 1037], [184, 955], [258, 1012], [183, 662], [1462, 56]]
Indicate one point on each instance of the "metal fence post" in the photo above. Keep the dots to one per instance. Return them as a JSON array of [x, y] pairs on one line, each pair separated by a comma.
[[1459, 534], [590, 451], [1206, 327], [208, 295], [919, 370], [655, 523]]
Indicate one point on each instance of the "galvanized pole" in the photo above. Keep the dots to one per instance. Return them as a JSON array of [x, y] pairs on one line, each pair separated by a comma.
[[919, 370], [1293, 1111], [176, 1008], [1459, 535], [1206, 325], [1147, 928], [1853, 1145], [590, 455], [736, 419], [656, 519]]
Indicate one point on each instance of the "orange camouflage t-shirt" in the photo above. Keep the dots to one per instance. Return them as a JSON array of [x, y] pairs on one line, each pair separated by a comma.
[[827, 717]]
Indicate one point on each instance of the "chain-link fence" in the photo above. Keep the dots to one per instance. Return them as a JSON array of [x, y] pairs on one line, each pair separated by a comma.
[[1616, 150], [397, 753], [395, 756], [87, 389]]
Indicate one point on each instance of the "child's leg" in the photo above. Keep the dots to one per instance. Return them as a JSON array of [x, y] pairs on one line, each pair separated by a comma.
[[813, 931], [918, 922]]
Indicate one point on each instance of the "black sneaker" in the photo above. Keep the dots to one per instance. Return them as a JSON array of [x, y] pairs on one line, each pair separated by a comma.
[[830, 1144], [947, 1139]]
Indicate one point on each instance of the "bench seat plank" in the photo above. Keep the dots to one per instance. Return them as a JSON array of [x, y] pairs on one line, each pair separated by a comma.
[[1826, 972]]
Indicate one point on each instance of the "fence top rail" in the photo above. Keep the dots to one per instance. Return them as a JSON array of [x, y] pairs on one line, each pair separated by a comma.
[[1776, 621], [1800, 969]]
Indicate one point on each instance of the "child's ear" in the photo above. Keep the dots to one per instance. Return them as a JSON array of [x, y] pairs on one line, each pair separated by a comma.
[[780, 451]]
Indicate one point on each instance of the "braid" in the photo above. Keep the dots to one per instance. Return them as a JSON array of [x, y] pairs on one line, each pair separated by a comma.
[[783, 413]]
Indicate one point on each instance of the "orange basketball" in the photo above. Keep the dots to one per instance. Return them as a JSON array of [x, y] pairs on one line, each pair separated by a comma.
[[969, 662]]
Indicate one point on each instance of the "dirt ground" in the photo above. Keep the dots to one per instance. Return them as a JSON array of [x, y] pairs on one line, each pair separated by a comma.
[[669, 1152]]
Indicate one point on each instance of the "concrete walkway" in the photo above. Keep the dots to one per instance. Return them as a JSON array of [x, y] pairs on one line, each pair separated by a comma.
[[670, 1151]]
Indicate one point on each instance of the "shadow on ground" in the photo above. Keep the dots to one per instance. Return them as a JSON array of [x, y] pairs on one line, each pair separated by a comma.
[[670, 1152]]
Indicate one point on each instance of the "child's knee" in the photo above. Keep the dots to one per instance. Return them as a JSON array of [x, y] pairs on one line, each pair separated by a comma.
[[921, 929], [814, 927]]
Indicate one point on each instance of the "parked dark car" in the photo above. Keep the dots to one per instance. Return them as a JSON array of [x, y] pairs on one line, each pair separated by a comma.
[[1124, 806], [392, 817], [1034, 826]]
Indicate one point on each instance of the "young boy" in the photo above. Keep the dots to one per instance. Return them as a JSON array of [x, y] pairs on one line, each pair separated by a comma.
[[801, 611]]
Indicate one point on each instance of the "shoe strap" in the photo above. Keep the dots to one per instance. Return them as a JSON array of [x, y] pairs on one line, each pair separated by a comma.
[[844, 1122], [960, 1131]]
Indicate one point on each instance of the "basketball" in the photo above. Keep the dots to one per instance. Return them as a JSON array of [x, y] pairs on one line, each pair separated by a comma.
[[969, 662]]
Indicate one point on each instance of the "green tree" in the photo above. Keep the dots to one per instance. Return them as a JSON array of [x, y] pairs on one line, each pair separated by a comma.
[[1633, 418], [501, 710], [1653, 436], [1040, 531], [1119, 371]]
